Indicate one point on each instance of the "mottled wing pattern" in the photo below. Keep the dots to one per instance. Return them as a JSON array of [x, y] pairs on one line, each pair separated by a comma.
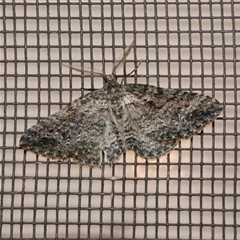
[[81, 132], [167, 114], [138, 141]]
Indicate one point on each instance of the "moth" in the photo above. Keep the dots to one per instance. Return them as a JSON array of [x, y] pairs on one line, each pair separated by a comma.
[[109, 121]]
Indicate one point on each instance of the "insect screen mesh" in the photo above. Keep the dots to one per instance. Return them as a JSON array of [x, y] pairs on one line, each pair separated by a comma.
[[193, 193]]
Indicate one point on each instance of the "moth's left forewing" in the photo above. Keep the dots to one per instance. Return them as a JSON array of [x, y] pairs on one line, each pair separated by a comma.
[[165, 114]]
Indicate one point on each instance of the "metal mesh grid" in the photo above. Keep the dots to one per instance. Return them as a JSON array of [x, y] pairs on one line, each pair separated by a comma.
[[193, 193]]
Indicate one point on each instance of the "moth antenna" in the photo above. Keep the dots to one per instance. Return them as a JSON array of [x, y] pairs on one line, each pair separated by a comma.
[[83, 71], [121, 59], [133, 71]]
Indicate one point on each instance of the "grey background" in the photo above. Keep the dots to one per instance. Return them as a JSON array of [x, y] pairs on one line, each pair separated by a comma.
[[193, 193]]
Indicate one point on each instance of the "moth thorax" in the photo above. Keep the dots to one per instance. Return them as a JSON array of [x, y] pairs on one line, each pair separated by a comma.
[[117, 110]]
